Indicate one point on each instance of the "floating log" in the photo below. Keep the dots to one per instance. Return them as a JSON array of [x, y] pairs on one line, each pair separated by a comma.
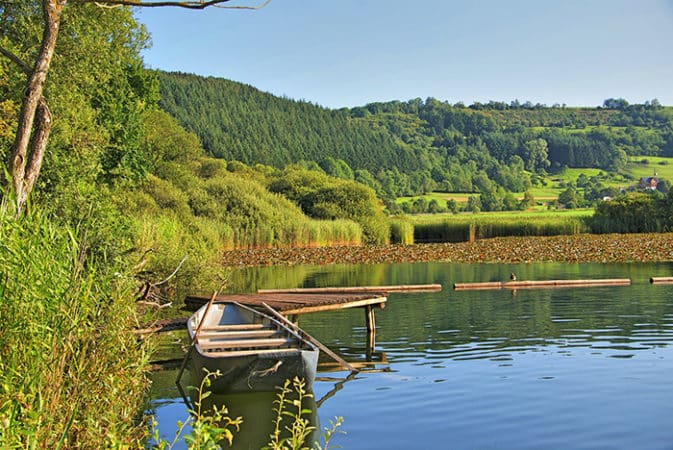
[[356, 289], [541, 284], [661, 280]]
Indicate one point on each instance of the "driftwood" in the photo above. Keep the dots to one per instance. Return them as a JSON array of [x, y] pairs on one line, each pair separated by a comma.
[[356, 289], [661, 280], [149, 294]]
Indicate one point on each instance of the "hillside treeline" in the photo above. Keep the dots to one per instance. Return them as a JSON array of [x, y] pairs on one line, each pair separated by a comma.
[[413, 147]]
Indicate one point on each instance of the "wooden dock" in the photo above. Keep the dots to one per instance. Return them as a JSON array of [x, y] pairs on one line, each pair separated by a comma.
[[542, 284], [294, 303], [298, 301]]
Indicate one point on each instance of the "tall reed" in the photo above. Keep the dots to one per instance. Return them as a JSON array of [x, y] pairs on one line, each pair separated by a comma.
[[71, 372], [401, 232], [484, 227]]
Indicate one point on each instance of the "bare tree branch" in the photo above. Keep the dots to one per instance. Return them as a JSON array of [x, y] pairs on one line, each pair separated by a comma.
[[16, 60], [188, 4]]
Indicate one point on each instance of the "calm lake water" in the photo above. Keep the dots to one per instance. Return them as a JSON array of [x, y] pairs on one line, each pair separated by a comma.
[[579, 368]]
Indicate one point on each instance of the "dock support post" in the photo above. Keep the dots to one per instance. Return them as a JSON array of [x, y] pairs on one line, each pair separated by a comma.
[[369, 317], [371, 328]]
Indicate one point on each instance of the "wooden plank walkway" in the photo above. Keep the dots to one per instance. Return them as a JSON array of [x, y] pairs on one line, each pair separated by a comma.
[[295, 303]]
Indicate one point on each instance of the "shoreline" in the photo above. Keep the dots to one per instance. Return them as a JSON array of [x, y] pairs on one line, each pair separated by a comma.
[[597, 248]]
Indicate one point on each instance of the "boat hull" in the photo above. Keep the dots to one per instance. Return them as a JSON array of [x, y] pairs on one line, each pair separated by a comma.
[[255, 373], [247, 370]]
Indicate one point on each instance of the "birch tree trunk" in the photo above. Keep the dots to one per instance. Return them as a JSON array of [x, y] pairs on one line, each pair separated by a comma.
[[34, 121]]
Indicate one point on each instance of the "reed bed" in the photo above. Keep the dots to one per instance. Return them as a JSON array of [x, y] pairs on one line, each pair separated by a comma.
[[451, 229], [401, 232], [71, 372]]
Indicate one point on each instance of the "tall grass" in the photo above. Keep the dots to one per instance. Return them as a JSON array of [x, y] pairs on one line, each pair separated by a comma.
[[71, 372], [401, 232], [468, 228]]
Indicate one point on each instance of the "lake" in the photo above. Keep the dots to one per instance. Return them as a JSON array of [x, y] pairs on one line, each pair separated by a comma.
[[572, 368]]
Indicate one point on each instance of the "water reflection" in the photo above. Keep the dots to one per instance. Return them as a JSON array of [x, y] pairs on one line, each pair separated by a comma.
[[557, 368]]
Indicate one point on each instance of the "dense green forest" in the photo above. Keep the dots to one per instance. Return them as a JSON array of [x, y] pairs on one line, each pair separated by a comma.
[[418, 146]]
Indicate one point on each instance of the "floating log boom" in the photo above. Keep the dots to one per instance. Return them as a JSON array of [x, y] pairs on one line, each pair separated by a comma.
[[661, 280], [542, 284], [356, 289]]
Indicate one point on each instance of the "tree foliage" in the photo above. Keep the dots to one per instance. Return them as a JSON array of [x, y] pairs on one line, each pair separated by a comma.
[[413, 147]]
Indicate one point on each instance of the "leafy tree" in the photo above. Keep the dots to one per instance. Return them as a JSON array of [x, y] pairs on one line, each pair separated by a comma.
[[631, 213], [34, 121], [615, 103], [569, 198], [534, 153], [528, 201], [473, 204]]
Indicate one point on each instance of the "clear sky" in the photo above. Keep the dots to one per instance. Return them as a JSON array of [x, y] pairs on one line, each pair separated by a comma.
[[353, 52]]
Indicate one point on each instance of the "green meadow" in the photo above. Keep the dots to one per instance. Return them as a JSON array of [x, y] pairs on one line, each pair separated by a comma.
[[553, 184]]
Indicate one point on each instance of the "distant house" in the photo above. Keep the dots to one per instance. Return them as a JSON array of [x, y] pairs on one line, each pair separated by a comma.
[[648, 183]]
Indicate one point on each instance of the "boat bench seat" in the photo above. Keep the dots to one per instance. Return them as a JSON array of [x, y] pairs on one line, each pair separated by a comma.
[[207, 344], [280, 352], [238, 327], [242, 334]]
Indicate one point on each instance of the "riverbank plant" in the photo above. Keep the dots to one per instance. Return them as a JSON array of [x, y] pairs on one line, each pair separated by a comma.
[[292, 427], [71, 371], [401, 232]]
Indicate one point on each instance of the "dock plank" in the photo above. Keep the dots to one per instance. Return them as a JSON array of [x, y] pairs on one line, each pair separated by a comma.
[[294, 303]]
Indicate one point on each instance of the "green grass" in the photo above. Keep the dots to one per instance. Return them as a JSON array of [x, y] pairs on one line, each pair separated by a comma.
[[663, 167], [71, 371]]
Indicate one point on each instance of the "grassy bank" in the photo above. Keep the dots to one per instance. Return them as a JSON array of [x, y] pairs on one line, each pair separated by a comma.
[[71, 372]]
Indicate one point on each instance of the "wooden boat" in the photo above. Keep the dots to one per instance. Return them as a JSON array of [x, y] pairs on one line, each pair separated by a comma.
[[253, 351]]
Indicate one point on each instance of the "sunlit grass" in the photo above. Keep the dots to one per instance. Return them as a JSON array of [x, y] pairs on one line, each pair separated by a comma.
[[71, 371]]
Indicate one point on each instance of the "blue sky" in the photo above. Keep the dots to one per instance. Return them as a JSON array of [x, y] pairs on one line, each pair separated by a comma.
[[353, 52]]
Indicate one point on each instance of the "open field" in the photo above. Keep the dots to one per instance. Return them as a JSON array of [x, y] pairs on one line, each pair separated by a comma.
[[663, 167]]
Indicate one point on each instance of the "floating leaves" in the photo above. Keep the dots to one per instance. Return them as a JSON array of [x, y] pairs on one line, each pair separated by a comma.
[[653, 247]]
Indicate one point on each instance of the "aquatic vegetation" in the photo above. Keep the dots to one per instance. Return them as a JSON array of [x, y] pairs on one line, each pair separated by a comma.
[[653, 247]]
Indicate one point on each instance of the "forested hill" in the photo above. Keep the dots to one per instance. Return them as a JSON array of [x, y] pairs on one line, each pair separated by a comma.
[[403, 148], [238, 122]]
